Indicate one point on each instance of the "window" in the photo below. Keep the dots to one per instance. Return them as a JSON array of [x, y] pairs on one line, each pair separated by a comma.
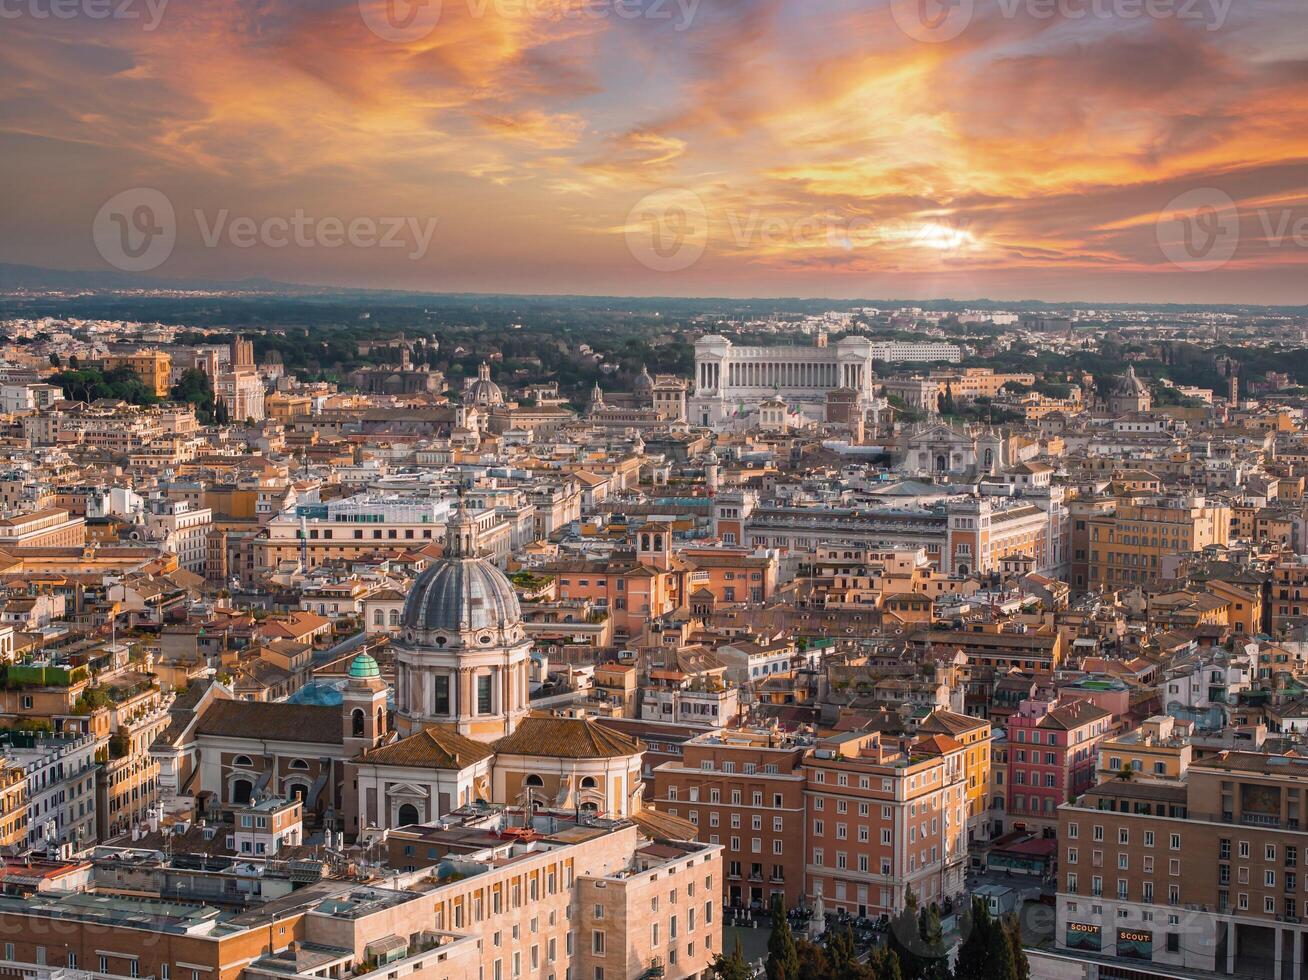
[[597, 942], [441, 694], [484, 695]]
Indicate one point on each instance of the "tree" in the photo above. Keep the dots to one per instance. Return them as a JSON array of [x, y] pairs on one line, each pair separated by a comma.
[[841, 951], [732, 966], [56, 361], [1021, 965], [885, 964], [947, 406], [783, 958], [74, 362], [814, 961], [973, 955], [934, 956]]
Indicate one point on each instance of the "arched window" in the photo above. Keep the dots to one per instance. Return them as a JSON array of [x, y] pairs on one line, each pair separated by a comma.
[[381, 720], [408, 815], [395, 617], [658, 542], [588, 782], [990, 457], [534, 781], [298, 764], [379, 617], [242, 762], [357, 722], [299, 792], [242, 790]]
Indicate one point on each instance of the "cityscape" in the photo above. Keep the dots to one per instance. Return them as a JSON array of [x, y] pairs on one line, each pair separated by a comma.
[[653, 490]]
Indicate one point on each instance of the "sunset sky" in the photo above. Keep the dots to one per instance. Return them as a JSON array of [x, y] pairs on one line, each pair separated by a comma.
[[798, 148]]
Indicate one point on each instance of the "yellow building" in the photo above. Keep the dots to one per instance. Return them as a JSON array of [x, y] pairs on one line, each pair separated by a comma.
[[1153, 751], [153, 367], [974, 735], [1127, 543]]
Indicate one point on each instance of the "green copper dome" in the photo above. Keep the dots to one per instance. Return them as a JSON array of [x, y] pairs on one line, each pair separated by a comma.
[[364, 666]]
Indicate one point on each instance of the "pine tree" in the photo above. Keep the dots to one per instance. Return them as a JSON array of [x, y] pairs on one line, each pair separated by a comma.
[[999, 954], [905, 942], [841, 951], [1021, 965], [732, 966], [885, 964], [934, 957], [783, 959], [977, 926]]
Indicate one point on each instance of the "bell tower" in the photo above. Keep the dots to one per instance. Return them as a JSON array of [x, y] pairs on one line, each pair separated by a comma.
[[654, 545], [364, 722]]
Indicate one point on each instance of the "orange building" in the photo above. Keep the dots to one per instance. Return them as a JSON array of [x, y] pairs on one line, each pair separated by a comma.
[[745, 791], [882, 821]]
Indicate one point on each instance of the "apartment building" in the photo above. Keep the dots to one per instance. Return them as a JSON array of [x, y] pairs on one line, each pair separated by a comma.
[[506, 895], [359, 525], [1053, 755], [1002, 646], [1127, 544], [60, 790], [883, 820], [153, 368], [1197, 873], [50, 528], [744, 790], [184, 529], [974, 735]]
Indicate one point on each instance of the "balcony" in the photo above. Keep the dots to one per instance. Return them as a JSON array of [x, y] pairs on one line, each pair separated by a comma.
[[1260, 819]]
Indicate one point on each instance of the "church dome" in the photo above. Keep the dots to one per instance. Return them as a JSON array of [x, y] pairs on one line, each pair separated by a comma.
[[364, 666], [461, 591], [461, 594], [484, 391]]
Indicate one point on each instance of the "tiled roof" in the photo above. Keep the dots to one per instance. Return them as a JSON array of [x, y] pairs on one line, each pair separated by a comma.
[[657, 825], [278, 722], [567, 738], [435, 747]]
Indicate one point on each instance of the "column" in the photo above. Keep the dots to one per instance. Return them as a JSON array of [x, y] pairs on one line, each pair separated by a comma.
[[1279, 933], [1230, 946]]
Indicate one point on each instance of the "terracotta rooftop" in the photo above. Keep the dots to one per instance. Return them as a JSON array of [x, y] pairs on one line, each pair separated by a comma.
[[278, 722], [435, 747], [567, 738]]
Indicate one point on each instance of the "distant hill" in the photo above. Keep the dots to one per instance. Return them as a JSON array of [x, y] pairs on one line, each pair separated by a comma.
[[18, 278]]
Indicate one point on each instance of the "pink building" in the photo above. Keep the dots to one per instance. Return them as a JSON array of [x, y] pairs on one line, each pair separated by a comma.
[[1053, 749]]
